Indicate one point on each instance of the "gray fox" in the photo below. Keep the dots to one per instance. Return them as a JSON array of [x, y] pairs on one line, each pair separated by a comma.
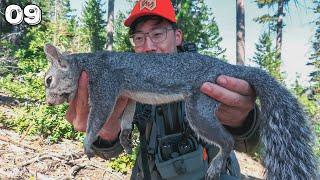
[[164, 78]]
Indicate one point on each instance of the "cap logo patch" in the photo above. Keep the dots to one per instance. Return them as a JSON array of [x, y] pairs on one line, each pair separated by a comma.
[[149, 4]]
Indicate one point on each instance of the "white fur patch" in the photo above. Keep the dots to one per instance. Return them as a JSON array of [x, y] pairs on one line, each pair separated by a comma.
[[127, 115], [153, 98]]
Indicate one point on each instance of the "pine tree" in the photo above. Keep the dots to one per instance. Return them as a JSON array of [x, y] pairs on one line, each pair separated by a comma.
[[315, 56], [199, 26], [276, 20], [266, 56], [121, 36], [94, 24], [63, 24]]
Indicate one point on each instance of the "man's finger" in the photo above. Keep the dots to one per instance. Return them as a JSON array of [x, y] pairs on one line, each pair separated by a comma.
[[237, 85], [83, 84], [226, 96], [78, 109], [71, 111], [230, 116]]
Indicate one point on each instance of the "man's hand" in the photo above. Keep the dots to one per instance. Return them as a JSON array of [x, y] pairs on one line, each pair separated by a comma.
[[77, 113], [236, 97]]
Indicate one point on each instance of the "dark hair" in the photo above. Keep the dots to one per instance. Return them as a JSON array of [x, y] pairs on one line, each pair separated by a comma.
[[143, 19]]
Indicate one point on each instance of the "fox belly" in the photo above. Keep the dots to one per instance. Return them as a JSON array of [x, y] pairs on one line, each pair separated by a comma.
[[153, 98]]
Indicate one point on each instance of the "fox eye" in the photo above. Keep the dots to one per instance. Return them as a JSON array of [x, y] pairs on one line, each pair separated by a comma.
[[48, 81]]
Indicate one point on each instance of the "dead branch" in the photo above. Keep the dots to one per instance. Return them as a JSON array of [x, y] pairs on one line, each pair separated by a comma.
[[75, 169], [8, 140], [94, 164], [33, 160], [25, 133], [56, 157]]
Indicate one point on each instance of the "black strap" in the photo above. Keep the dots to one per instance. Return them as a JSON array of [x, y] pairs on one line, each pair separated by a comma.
[[172, 115], [143, 150]]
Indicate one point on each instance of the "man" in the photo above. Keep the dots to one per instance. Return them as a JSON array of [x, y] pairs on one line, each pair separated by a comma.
[[153, 29]]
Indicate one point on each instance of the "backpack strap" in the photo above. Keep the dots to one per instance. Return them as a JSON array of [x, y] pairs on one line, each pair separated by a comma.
[[154, 133], [140, 120], [173, 115], [143, 150]]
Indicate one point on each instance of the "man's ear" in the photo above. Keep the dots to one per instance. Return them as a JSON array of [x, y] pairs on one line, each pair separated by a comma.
[[179, 37], [53, 55]]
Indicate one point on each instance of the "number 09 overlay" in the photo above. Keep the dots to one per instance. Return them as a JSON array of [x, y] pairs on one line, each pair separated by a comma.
[[31, 14]]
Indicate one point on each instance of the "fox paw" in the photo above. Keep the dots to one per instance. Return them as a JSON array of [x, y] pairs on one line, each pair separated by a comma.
[[89, 151], [125, 140], [87, 148]]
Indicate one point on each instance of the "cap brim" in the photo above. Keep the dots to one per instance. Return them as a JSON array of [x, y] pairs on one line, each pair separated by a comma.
[[131, 19]]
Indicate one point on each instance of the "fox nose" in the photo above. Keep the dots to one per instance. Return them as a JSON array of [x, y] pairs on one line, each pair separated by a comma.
[[66, 95], [50, 103]]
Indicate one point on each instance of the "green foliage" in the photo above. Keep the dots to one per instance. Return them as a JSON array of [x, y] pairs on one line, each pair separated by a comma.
[[94, 24], [314, 61], [48, 122], [7, 64], [268, 19], [266, 57], [26, 83], [269, 3], [121, 37], [312, 108], [199, 26], [315, 56], [63, 24], [124, 163]]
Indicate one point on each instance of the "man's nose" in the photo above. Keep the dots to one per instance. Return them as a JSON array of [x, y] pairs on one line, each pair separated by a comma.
[[149, 46]]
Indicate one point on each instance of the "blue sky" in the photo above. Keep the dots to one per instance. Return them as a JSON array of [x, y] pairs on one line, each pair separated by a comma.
[[296, 35]]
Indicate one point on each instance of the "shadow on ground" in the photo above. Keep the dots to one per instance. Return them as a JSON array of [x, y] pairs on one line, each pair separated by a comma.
[[12, 101]]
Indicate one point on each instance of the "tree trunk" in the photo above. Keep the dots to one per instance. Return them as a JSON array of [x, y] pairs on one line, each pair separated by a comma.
[[240, 47], [110, 27], [2, 18], [55, 22], [279, 28]]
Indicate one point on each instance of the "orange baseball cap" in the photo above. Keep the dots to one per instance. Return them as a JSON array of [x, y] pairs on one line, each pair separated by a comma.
[[161, 8]]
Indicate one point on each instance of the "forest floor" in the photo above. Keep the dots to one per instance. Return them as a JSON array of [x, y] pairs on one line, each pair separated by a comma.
[[25, 157]]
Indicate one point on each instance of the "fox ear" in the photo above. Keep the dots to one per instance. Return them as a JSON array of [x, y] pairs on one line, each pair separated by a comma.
[[53, 55]]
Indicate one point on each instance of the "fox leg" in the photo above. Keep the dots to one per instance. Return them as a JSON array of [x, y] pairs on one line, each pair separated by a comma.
[[126, 126], [101, 107], [201, 117]]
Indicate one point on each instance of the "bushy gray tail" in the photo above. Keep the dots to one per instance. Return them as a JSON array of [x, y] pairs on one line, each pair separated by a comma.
[[285, 132]]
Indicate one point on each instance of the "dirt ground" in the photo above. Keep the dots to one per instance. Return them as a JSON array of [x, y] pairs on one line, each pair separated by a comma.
[[23, 157]]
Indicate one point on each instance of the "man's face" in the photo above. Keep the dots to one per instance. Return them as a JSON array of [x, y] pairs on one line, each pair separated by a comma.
[[169, 45]]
